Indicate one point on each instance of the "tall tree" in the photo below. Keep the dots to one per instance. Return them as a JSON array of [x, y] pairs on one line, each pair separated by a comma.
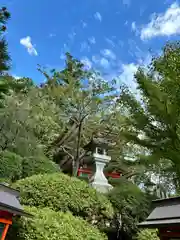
[[16, 134], [4, 56], [153, 122], [86, 104]]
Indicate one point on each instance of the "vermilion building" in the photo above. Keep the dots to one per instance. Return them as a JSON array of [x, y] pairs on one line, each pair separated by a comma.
[[9, 207]]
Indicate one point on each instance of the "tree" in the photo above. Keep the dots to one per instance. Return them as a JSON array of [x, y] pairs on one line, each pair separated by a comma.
[[34, 165], [44, 117], [4, 56], [131, 206], [153, 122], [16, 135], [86, 104], [9, 85], [11, 166], [18, 85]]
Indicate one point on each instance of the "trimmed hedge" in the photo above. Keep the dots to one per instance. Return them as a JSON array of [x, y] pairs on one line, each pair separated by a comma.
[[148, 234], [63, 193], [37, 165], [48, 224], [11, 166]]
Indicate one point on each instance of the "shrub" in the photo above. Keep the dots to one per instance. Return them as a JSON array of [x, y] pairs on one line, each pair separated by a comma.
[[36, 165], [63, 193], [15, 167], [148, 234], [48, 224], [11, 166], [131, 203]]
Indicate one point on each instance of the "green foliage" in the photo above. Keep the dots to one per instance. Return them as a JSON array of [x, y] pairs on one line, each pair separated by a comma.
[[153, 123], [14, 167], [11, 166], [131, 203], [18, 85], [148, 234], [86, 106], [36, 165], [63, 193], [48, 224], [4, 56], [45, 117], [16, 135]]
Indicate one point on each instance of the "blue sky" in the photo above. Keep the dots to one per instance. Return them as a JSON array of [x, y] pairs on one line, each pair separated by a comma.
[[112, 36]]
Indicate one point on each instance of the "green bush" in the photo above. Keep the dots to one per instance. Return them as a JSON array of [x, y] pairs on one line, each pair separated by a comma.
[[15, 167], [148, 234], [36, 165], [48, 224], [11, 166], [63, 193], [133, 205]]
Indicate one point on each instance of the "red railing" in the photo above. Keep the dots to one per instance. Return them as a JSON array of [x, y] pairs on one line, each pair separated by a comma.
[[89, 172]]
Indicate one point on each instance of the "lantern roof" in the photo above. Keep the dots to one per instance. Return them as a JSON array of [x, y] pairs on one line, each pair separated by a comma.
[[98, 142], [9, 201], [166, 212]]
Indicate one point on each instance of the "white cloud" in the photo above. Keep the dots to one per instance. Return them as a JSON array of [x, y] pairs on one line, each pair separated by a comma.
[[84, 46], [127, 75], [65, 48], [92, 40], [87, 63], [108, 53], [163, 24], [109, 41], [72, 35], [135, 29], [84, 24], [126, 23], [133, 26], [98, 16], [62, 56], [104, 62], [101, 61], [95, 59], [128, 71], [26, 42], [144, 60], [16, 77]]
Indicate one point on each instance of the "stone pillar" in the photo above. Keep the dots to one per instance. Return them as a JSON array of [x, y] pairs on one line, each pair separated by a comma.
[[98, 180]]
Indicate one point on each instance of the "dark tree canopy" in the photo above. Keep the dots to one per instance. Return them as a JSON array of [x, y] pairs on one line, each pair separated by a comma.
[[153, 123], [4, 55]]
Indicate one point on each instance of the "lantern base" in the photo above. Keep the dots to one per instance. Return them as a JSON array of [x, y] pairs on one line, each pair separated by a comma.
[[100, 187]]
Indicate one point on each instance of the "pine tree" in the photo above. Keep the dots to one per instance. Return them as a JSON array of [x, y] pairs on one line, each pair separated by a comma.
[[154, 122], [4, 55]]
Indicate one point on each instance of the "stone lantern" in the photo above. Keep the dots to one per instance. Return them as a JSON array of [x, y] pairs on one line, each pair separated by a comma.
[[99, 147]]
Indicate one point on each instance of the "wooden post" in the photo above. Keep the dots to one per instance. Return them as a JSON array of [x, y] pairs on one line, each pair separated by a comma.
[[5, 232], [7, 223]]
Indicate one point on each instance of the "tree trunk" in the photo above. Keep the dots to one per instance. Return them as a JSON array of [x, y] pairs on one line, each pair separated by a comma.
[[76, 160]]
